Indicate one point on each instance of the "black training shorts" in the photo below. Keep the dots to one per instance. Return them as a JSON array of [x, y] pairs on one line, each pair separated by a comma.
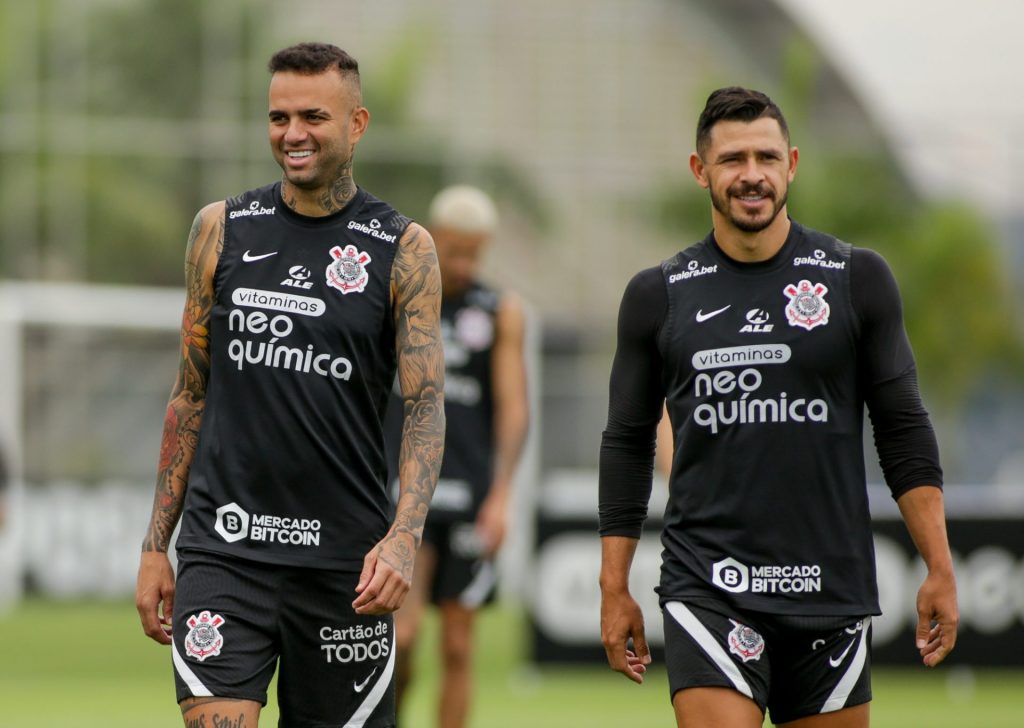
[[236, 620], [462, 572], [791, 666]]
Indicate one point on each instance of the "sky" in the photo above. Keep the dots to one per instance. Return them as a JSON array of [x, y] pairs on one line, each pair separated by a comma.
[[944, 79]]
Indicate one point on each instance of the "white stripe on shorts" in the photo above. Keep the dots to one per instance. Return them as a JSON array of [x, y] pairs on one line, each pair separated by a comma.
[[364, 711], [475, 594], [689, 622], [185, 672], [844, 687]]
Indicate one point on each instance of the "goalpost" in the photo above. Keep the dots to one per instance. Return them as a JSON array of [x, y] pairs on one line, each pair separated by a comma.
[[85, 371]]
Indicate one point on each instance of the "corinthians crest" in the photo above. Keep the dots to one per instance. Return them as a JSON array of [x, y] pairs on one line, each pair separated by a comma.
[[204, 639], [347, 272], [806, 307], [745, 643]]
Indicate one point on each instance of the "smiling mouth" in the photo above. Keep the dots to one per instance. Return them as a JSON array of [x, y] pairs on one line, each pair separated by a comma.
[[753, 197], [299, 155]]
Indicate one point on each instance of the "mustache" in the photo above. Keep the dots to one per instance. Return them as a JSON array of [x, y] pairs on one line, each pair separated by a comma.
[[742, 189]]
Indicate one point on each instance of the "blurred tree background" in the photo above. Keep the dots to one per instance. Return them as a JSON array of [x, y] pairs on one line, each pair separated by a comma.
[[121, 118], [958, 298], [137, 72]]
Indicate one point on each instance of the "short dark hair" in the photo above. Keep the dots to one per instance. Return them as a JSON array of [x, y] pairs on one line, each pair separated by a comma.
[[313, 58], [735, 103]]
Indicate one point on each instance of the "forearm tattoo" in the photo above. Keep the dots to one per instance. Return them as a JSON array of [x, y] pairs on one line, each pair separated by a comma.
[[421, 374], [188, 396]]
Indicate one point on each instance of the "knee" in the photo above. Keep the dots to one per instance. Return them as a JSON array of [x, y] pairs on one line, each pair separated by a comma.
[[405, 640], [405, 633], [457, 652]]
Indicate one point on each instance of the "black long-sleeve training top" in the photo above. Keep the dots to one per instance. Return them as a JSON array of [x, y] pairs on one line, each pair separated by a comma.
[[765, 369]]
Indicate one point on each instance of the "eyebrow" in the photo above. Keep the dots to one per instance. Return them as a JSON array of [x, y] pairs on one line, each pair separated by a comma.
[[762, 152], [301, 112]]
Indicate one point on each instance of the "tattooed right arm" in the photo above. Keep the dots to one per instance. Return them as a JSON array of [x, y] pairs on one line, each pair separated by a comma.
[[181, 424], [188, 396]]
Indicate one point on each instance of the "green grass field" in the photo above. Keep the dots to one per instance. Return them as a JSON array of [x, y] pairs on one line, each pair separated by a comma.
[[85, 665]]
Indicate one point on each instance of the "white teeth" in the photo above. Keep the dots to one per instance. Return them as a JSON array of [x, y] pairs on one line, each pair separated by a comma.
[[297, 155]]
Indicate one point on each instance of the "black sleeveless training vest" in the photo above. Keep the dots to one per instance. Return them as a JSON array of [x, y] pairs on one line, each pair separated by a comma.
[[768, 507], [290, 466]]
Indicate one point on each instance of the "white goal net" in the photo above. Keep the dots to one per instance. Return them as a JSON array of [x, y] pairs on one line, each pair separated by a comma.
[[85, 373]]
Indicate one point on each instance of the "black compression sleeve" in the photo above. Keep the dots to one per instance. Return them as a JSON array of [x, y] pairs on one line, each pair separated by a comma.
[[636, 396], [904, 438]]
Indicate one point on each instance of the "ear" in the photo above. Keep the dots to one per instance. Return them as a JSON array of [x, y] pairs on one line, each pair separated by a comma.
[[794, 157], [358, 123], [699, 170]]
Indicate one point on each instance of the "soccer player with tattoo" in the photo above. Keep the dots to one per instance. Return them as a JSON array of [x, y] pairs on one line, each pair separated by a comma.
[[765, 340], [303, 298]]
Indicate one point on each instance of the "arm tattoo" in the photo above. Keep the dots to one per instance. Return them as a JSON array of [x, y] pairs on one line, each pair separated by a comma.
[[341, 190], [185, 409], [421, 374]]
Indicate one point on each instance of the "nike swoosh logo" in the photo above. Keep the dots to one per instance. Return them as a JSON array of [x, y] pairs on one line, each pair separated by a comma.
[[702, 317], [249, 257], [837, 661], [359, 687]]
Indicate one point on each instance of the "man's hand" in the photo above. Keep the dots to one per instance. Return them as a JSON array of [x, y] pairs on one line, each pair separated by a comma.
[[492, 522], [387, 574], [937, 614], [621, 619], [155, 586], [937, 618]]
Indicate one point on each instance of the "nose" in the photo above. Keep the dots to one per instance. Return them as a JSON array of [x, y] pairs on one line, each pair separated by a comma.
[[752, 171], [296, 132]]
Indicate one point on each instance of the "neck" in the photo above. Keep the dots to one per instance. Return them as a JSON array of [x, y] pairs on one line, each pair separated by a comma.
[[322, 200], [747, 247]]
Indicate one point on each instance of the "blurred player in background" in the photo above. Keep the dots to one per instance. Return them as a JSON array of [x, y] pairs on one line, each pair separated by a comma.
[[302, 297], [487, 416], [765, 340]]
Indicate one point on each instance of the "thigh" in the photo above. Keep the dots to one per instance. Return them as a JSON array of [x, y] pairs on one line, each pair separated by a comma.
[[715, 708], [203, 712], [224, 635], [858, 716], [463, 574], [457, 623], [337, 667], [715, 648], [820, 673]]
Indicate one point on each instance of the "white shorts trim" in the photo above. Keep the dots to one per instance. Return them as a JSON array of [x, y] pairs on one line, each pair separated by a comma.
[[476, 593], [366, 708], [841, 693], [195, 685], [712, 648]]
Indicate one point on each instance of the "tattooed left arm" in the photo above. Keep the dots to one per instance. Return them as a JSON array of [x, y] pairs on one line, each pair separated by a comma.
[[416, 292]]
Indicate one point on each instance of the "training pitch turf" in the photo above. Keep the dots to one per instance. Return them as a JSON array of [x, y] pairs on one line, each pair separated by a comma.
[[85, 665]]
